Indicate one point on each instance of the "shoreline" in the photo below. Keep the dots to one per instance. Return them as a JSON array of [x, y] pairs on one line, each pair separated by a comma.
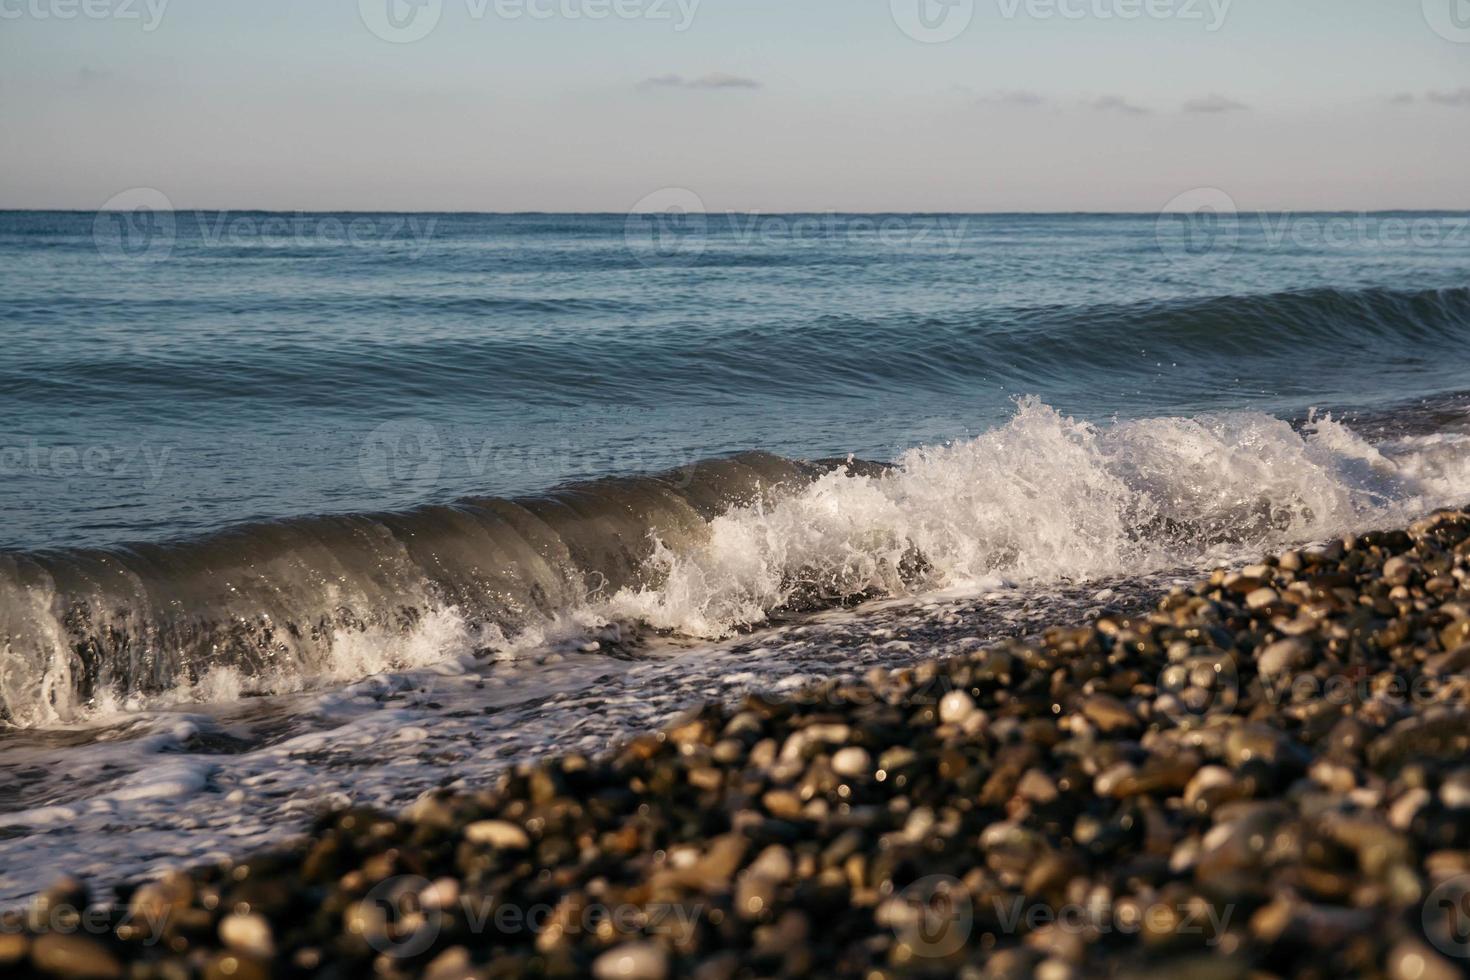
[[1270, 772]]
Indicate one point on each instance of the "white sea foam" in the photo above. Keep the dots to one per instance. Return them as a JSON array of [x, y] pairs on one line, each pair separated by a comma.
[[1047, 498]]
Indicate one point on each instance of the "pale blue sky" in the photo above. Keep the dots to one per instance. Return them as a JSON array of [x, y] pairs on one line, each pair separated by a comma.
[[763, 104]]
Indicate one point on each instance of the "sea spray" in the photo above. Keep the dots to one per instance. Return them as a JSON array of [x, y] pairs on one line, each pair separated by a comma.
[[1047, 498]]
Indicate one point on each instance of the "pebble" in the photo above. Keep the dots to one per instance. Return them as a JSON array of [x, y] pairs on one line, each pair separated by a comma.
[[1262, 597], [1108, 713], [443, 893], [1284, 656], [75, 957], [1145, 768], [955, 707], [1413, 959], [1405, 808], [13, 948], [497, 833], [852, 762], [1454, 790], [632, 961], [248, 933]]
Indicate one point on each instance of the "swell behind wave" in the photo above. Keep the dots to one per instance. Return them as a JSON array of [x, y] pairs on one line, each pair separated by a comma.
[[703, 551], [1410, 342]]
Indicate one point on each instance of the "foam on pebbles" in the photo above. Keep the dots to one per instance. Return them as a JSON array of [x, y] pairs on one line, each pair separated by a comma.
[[1232, 785]]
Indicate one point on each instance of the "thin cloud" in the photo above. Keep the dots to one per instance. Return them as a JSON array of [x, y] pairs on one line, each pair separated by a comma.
[[1214, 103], [1015, 97], [1459, 96], [714, 80], [1403, 98], [1116, 103]]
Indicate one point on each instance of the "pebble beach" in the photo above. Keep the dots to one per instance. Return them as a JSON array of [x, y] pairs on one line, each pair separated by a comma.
[[1266, 775]]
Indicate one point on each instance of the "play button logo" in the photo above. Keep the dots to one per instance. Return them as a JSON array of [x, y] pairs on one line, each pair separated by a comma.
[[1450, 19], [933, 21]]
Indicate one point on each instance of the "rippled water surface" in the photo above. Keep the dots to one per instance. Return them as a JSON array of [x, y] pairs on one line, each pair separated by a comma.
[[297, 509], [164, 378]]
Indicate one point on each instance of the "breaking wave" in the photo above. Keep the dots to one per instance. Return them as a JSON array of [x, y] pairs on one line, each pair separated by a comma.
[[703, 551]]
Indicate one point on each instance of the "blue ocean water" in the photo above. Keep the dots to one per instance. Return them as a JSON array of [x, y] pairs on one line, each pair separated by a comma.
[[303, 509], [167, 375]]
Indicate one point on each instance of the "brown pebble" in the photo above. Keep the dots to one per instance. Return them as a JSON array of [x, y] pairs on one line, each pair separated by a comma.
[[75, 957], [1108, 713]]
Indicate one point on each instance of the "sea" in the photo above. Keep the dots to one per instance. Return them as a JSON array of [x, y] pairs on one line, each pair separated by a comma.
[[305, 510]]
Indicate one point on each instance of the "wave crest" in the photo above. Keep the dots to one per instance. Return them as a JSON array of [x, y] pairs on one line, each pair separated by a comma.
[[1045, 498]]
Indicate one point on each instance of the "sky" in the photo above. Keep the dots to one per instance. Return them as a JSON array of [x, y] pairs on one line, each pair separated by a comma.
[[772, 105]]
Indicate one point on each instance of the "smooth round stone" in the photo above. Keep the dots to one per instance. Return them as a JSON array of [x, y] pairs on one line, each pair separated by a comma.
[[497, 833], [1207, 778], [443, 893], [1108, 713], [1454, 792], [955, 707], [1412, 959], [852, 762], [1283, 656], [1405, 808], [248, 933], [632, 961], [1261, 598], [1399, 568]]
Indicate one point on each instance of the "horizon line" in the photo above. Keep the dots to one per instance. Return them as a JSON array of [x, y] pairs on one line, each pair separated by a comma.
[[749, 211]]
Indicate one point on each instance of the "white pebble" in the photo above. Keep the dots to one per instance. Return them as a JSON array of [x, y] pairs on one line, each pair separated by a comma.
[[852, 762], [955, 707], [249, 934], [632, 961], [497, 833], [442, 894]]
